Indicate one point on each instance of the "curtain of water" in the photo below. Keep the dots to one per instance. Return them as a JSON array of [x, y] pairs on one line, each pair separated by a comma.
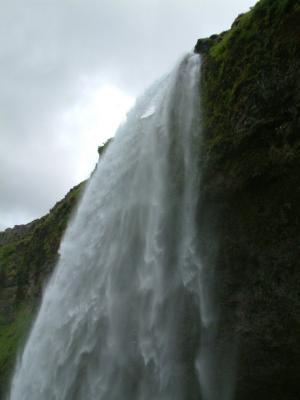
[[122, 316]]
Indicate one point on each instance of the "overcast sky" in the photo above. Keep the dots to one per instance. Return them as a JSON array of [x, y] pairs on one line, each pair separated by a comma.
[[69, 70]]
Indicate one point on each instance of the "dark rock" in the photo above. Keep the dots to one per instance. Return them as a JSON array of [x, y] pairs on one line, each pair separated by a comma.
[[251, 194], [203, 45]]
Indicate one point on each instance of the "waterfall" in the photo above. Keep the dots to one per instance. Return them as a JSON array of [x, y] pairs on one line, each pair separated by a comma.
[[123, 315]]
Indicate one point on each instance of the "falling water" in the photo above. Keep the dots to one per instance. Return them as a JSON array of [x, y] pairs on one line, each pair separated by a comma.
[[122, 316]]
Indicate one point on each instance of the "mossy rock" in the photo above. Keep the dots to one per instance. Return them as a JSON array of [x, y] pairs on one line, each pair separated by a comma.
[[251, 194], [27, 257]]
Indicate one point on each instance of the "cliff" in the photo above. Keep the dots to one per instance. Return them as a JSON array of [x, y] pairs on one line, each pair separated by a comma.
[[249, 213], [28, 254], [251, 195]]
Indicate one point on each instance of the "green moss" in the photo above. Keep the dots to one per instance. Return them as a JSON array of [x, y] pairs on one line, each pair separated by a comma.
[[26, 260], [250, 193], [246, 78]]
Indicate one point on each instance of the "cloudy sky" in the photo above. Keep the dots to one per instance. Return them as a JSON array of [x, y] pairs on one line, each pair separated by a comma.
[[69, 71]]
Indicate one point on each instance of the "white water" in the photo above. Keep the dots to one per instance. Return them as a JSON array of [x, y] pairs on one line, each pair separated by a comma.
[[121, 318]]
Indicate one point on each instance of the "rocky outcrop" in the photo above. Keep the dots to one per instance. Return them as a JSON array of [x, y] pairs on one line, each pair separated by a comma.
[[15, 233], [251, 195]]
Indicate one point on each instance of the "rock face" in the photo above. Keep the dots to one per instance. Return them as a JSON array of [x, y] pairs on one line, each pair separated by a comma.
[[251, 195], [15, 233]]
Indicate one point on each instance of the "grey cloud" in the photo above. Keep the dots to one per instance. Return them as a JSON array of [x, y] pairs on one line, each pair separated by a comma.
[[46, 46]]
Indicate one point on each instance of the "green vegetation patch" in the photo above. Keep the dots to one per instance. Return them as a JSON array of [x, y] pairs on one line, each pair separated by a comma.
[[12, 335], [250, 90], [26, 260], [250, 158]]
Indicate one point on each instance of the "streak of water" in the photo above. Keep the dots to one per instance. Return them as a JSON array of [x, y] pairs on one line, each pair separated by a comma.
[[123, 313]]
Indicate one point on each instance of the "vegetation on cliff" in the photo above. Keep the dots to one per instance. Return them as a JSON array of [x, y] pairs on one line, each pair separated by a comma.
[[251, 93], [251, 193], [27, 256]]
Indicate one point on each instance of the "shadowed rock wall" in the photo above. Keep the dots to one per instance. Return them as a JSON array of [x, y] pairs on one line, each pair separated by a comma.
[[251, 195]]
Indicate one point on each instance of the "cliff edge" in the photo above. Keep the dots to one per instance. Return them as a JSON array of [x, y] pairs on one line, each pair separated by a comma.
[[251, 194]]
